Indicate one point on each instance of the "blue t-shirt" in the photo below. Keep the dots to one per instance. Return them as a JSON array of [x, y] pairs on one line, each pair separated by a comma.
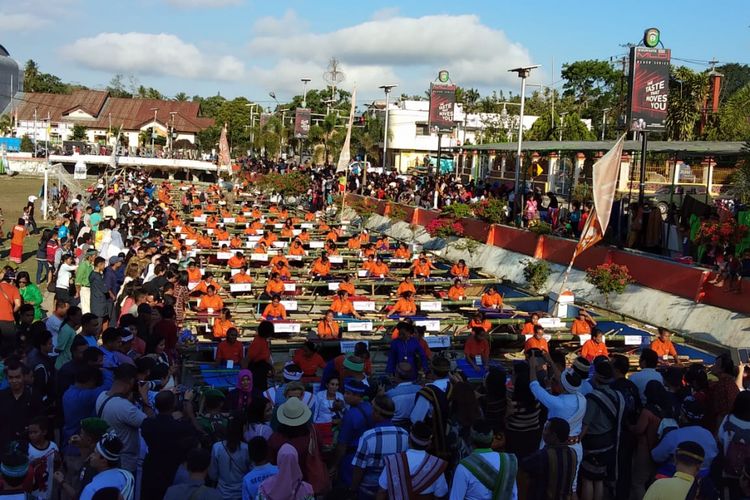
[[253, 479], [78, 404], [62, 232]]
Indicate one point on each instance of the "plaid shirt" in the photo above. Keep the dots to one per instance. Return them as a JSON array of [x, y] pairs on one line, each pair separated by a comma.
[[374, 445]]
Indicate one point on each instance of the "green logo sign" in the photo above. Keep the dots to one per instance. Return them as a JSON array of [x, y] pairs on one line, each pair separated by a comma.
[[651, 37], [443, 76]]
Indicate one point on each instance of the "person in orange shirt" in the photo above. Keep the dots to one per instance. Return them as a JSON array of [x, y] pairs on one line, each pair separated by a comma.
[[287, 231], [221, 234], [342, 306], [16, 241], [664, 347], [276, 259], [259, 351], [379, 269], [460, 270], [478, 321], [332, 236], [222, 324], [235, 242], [528, 327], [210, 207], [331, 248], [367, 264], [242, 276], [477, 349], [205, 282], [328, 328], [324, 227], [268, 238], [308, 359], [273, 209], [368, 250], [237, 261], [421, 268], [321, 267], [211, 222], [194, 274], [347, 285], [402, 252], [275, 285], [382, 244], [204, 241], [423, 255], [595, 346], [353, 243], [271, 220], [457, 291], [256, 225], [256, 213], [309, 216], [536, 341], [296, 248], [197, 212], [230, 349], [491, 299], [275, 310], [210, 302], [284, 214], [260, 248], [582, 324], [407, 285], [282, 270], [304, 236], [404, 307], [240, 219], [248, 231]]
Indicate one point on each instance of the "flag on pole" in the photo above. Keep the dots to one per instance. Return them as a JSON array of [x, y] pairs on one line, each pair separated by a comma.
[[224, 158], [346, 154]]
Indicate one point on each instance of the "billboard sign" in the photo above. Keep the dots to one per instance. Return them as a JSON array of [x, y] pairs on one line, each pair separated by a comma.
[[649, 88], [442, 107], [301, 123]]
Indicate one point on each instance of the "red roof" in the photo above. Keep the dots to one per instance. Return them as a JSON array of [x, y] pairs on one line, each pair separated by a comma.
[[131, 114]]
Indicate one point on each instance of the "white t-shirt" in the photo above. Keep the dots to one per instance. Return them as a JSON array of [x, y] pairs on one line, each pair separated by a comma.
[[323, 407], [117, 478], [44, 459], [63, 275]]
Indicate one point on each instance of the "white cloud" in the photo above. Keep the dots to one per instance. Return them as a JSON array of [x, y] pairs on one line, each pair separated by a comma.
[[290, 22], [192, 4], [151, 54], [386, 13], [474, 53], [21, 21]]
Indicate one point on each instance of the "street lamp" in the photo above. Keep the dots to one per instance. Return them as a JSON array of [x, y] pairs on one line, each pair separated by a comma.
[[523, 73], [387, 89], [304, 81], [604, 121], [252, 105], [153, 133]]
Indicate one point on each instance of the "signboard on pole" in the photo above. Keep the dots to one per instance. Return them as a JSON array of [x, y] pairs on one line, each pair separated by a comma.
[[301, 123], [442, 106], [649, 88]]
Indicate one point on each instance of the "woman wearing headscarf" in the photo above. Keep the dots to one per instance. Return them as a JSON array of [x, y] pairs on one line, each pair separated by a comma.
[[288, 483], [242, 396]]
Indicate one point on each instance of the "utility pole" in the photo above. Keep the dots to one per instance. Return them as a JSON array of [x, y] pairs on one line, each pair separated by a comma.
[[34, 131], [604, 121], [153, 133], [387, 89], [523, 73], [305, 81], [171, 132]]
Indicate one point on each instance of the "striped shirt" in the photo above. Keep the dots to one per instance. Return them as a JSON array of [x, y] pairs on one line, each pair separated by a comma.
[[551, 472], [374, 445]]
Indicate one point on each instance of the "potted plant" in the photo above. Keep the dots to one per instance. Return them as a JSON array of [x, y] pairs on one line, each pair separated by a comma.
[[536, 272], [444, 228], [608, 279]]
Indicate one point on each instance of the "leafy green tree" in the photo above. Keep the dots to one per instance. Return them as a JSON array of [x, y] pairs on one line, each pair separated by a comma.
[[590, 83], [116, 87], [687, 92], [736, 76], [733, 120], [547, 128], [79, 133], [36, 81], [27, 145], [181, 97], [6, 125], [739, 180]]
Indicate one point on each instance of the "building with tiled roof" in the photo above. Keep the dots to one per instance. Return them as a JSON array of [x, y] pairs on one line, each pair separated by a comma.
[[52, 117]]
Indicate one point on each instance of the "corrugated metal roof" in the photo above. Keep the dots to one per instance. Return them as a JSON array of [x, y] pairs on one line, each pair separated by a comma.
[[698, 147]]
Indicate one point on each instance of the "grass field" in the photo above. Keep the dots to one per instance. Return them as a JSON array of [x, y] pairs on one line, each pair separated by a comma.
[[14, 194]]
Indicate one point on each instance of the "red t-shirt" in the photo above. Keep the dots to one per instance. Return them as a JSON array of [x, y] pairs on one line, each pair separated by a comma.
[[258, 350], [227, 351], [7, 301], [309, 365]]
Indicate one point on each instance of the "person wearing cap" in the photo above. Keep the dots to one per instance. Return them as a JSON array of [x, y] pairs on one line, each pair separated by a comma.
[[404, 394], [292, 376], [691, 417], [485, 473], [433, 402], [406, 348], [595, 346], [106, 461], [383, 439], [308, 359], [552, 469], [83, 290], [230, 349], [600, 434], [14, 471], [414, 473], [357, 366], [688, 458], [570, 405], [356, 420]]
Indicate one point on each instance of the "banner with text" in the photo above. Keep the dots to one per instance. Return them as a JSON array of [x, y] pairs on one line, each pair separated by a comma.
[[301, 123], [649, 88], [442, 105]]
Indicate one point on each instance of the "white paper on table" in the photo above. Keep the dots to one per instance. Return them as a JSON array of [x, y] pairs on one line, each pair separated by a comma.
[[240, 287], [363, 305], [247, 214], [336, 259], [210, 231], [290, 287], [224, 255], [295, 232], [229, 220], [362, 273], [437, 341], [278, 226], [633, 339], [253, 239], [289, 305], [316, 244], [200, 219], [283, 327], [251, 244], [235, 271], [431, 325], [259, 231], [191, 286], [551, 322], [261, 257], [279, 244], [306, 225], [584, 338], [432, 306], [222, 243], [190, 242], [347, 346], [178, 229], [293, 257], [359, 326], [398, 261], [333, 285]]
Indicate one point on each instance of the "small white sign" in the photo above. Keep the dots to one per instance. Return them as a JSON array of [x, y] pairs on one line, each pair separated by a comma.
[[222, 243], [210, 231], [362, 273], [278, 226], [289, 305], [247, 214], [253, 239], [432, 306], [285, 327], [222, 203], [279, 244], [178, 229], [363, 305], [251, 243], [240, 287], [336, 259], [333, 286], [551, 323], [191, 286], [261, 257], [398, 261], [200, 219], [316, 244], [224, 255], [306, 225], [633, 339], [584, 338], [295, 232], [294, 257], [259, 231], [230, 220], [290, 287], [234, 271], [190, 242], [438, 341], [359, 326], [432, 325], [347, 346]]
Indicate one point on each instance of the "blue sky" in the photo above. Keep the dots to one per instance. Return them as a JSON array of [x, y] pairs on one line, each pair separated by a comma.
[[250, 47]]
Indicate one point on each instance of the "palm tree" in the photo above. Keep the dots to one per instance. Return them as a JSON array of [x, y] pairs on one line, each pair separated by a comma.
[[739, 181], [181, 97], [688, 92]]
